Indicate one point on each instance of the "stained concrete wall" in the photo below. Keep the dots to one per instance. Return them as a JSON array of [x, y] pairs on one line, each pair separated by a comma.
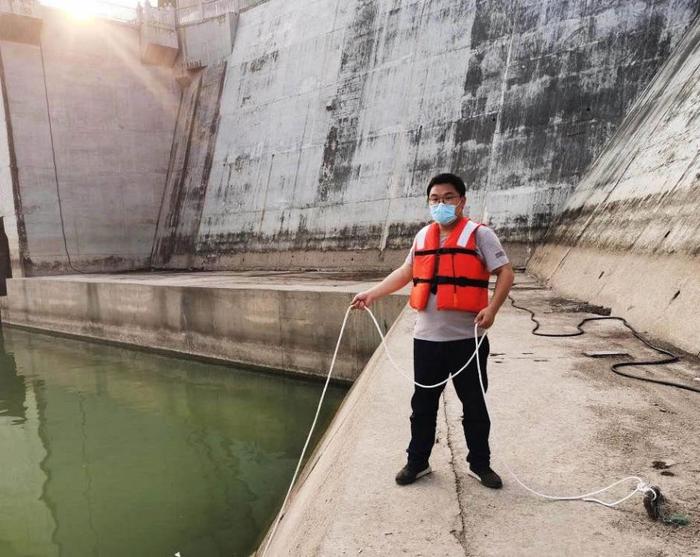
[[333, 116], [12, 219], [629, 236], [336, 113], [208, 42], [190, 165], [94, 126]]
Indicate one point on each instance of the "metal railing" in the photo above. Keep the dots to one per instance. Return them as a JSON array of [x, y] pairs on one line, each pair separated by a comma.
[[19, 7], [159, 17], [97, 8], [143, 12], [206, 10], [119, 12]]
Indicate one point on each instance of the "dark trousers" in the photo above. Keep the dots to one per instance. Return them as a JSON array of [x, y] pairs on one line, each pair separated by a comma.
[[432, 363]]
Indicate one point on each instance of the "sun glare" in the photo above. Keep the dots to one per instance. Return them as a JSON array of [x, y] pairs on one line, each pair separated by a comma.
[[80, 9], [83, 10]]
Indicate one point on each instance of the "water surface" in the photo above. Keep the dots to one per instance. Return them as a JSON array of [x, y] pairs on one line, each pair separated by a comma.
[[107, 451]]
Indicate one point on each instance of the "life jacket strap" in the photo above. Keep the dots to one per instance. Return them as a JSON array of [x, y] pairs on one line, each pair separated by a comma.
[[458, 281], [445, 251]]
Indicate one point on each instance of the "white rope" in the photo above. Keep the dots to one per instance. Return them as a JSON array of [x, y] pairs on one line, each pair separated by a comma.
[[641, 487], [410, 376], [311, 431]]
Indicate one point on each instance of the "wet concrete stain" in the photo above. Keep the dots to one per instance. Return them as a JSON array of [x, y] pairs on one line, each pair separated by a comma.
[[189, 173], [259, 63], [493, 19], [474, 77], [85, 264], [342, 139], [619, 225], [661, 222]]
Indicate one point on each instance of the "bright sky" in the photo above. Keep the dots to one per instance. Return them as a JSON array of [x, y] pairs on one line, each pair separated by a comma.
[[88, 4]]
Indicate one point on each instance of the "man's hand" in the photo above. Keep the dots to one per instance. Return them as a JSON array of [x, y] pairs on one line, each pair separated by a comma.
[[397, 279], [504, 280], [362, 300], [485, 317]]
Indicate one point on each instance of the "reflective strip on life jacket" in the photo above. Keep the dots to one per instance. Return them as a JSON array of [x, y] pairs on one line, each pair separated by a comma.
[[467, 232], [420, 237]]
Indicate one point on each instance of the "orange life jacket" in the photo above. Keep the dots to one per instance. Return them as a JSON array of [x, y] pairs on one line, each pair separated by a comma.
[[454, 271]]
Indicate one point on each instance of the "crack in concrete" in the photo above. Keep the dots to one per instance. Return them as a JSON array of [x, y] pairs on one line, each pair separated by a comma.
[[461, 535]]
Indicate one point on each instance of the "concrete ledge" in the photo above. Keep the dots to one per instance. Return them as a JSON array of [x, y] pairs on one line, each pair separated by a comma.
[[345, 260], [252, 320]]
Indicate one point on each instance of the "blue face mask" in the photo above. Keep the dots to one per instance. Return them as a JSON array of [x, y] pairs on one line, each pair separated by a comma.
[[443, 213]]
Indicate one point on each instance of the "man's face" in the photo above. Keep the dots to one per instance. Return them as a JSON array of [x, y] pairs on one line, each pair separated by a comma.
[[447, 194]]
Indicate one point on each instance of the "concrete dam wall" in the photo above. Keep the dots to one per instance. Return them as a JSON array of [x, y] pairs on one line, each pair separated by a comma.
[[334, 115], [87, 131], [629, 236], [309, 146]]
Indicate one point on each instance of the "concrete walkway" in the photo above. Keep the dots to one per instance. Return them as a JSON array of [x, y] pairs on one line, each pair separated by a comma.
[[562, 420]]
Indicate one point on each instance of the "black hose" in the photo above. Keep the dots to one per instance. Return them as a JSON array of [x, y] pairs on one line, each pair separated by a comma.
[[671, 358]]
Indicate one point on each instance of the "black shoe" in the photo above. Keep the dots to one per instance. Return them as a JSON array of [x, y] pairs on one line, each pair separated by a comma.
[[410, 473], [487, 477]]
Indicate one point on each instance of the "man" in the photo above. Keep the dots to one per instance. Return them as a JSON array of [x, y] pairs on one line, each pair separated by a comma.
[[449, 263]]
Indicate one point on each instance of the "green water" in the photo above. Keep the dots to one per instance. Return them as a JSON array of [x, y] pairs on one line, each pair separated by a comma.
[[107, 451]]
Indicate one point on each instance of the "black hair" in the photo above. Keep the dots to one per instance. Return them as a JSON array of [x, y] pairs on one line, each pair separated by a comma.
[[447, 178]]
